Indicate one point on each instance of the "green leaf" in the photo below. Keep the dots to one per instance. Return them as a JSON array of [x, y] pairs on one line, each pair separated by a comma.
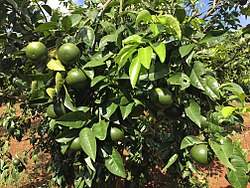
[[193, 111], [171, 161], [51, 92], [55, 65], [180, 79], [145, 56], [195, 77], [190, 141], [67, 101], [227, 111], [96, 80], [125, 53], [143, 16], [59, 80], [133, 39], [160, 50], [186, 49], [86, 35], [180, 13], [223, 151], [211, 87], [66, 136], [212, 35], [13, 3], [94, 63], [114, 164], [156, 71], [156, 29], [75, 19], [172, 23], [66, 23], [235, 89], [100, 129], [134, 70], [74, 120], [239, 177], [126, 110], [107, 113], [88, 142], [106, 39], [48, 26]]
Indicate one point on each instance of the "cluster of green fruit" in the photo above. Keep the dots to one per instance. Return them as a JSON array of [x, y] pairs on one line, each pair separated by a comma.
[[68, 54]]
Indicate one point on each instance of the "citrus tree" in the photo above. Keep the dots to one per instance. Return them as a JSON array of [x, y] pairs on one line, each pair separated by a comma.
[[123, 89]]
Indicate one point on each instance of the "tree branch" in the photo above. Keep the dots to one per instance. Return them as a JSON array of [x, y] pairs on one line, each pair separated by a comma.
[[104, 7], [211, 10], [39, 6]]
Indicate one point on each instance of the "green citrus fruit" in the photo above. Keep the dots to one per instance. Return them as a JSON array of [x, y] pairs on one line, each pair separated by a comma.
[[68, 54], [75, 144], [36, 51], [161, 97], [201, 154], [76, 78], [16, 161], [116, 134], [56, 110]]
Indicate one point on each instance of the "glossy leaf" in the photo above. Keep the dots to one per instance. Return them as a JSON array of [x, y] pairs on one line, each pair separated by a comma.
[[133, 39], [114, 163], [223, 151], [109, 110], [239, 177], [134, 70], [88, 142], [66, 23], [156, 71], [46, 26], [160, 50], [212, 35], [126, 110], [96, 80], [190, 141], [180, 79], [186, 49], [125, 53], [235, 89], [74, 120], [106, 39], [193, 111], [143, 16], [211, 87], [171, 161], [68, 102], [87, 35], [100, 129], [145, 56], [55, 65], [195, 77], [59, 79], [75, 19], [66, 136], [227, 111], [172, 23]]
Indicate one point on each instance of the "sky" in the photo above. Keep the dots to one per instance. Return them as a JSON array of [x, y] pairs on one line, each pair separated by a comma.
[[55, 3]]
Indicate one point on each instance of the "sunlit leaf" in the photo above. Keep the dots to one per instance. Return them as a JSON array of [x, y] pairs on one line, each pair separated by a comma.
[[88, 142], [160, 50], [134, 70], [114, 164], [143, 16]]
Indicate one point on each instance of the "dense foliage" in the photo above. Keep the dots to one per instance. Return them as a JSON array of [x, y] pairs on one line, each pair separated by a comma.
[[124, 87]]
